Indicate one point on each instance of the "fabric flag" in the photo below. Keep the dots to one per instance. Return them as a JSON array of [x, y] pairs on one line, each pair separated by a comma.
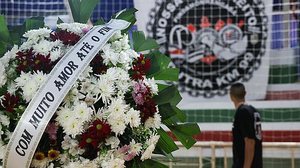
[[213, 43]]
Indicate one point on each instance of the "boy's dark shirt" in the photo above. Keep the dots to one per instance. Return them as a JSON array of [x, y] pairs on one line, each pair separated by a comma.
[[247, 123]]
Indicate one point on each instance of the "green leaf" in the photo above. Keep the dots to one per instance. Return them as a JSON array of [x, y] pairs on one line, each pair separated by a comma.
[[179, 117], [16, 33], [170, 74], [169, 95], [180, 114], [162, 86], [59, 21], [184, 133], [159, 62], [150, 163], [140, 43], [100, 22], [34, 23], [82, 9], [166, 111], [136, 163], [160, 69], [159, 151], [4, 33], [128, 15], [165, 142], [3, 48]]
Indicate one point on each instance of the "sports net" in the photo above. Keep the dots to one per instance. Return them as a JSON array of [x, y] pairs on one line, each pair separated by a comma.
[[16, 11], [280, 107]]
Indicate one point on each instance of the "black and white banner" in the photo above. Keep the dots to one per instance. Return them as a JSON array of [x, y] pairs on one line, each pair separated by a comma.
[[214, 43], [33, 122]]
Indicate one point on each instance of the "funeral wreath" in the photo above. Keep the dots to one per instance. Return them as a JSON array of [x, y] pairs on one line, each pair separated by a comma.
[[109, 89]]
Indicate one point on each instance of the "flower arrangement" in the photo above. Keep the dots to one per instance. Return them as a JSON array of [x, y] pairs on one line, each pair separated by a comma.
[[112, 115]]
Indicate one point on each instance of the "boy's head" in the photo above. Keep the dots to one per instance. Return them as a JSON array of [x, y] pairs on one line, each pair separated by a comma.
[[237, 92]]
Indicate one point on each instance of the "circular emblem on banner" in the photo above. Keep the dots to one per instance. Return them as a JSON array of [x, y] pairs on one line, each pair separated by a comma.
[[213, 43]]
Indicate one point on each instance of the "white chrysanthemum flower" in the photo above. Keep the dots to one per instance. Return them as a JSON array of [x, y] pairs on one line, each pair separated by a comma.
[[8, 135], [118, 106], [151, 143], [117, 46], [73, 164], [22, 79], [38, 34], [152, 85], [76, 28], [4, 120], [39, 77], [9, 55], [153, 139], [89, 164], [11, 88], [71, 97], [118, 74], [64, 158], [134, 118], [1, 131], [133, 53], [121, 45], [113, 142], [125, 42], [117, 123], [27, 45], [43, 47], [135, 147], [148, 152], [113, 163], [90, 99], [109, 55], [63, 115], [73, 127], [116, 36], [2, 148], [72, 146], [73, 119], [86, 74], [55, 54], [3, 77], [83, 163], [87, 87], [51, 165], [29, 90], [106, 90], [83, 112], [153, 122]]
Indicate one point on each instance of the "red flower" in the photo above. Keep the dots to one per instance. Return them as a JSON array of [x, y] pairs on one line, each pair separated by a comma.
[[140, 67], [86, 140], [28, 61], [9, 102], [148, 109], [96, 134], [68, 38], [97, 65], [99, 130]]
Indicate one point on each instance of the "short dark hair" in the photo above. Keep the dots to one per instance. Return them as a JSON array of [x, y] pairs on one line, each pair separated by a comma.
[[238, 91]]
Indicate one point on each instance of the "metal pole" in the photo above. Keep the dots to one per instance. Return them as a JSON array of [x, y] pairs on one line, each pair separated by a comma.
[[225, 158], [213, 156], [200, 158]]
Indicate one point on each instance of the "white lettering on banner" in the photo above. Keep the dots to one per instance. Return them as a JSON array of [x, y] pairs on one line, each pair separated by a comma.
[[34, 120]]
